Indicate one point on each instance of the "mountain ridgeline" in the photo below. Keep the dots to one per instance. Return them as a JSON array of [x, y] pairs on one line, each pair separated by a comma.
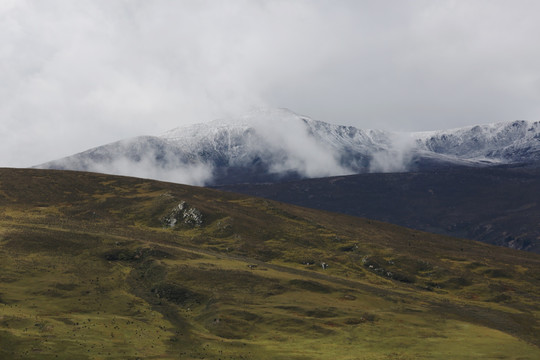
[[279, 145]]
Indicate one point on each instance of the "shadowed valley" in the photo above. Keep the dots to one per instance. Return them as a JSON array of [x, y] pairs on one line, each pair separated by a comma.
[[496, 205]]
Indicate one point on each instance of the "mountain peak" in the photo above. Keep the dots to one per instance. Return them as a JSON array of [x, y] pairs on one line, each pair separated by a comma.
[[278, 144], [258, 118]]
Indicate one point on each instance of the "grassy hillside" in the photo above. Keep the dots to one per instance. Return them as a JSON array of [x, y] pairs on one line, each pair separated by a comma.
[[104, 267]]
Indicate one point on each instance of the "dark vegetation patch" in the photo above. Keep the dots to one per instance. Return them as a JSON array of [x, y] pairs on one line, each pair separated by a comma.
[[51, 241], [498, 273], [229, 326], [316, 313], [458, 282], [290, 325], [139, 254], [292, 308], [230, 282], [510, 323], [11, 345], [432, 285], [312, 286], [177, 294], [402, 270], [322, 313], [307, 327], [258, 251], [50, 293], [501, 298], [65, 321], [321, 331], [121, 255], [349, 248], [230, 323], [501, 287], [7, 279], [475, 265], [148, 272], [224, 227], [66, 287], [245, 315], [365, 317], [147, 281]]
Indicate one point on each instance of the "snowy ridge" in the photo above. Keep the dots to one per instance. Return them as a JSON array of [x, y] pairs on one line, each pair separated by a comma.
[[268, 145], [510, 142]]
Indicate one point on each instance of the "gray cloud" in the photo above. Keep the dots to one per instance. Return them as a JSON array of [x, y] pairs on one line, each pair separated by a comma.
[[283, 132], [193, 174], [397, 157], [77, 74]]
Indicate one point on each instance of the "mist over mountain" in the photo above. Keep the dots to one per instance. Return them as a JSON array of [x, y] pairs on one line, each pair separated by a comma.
[[272, 145]]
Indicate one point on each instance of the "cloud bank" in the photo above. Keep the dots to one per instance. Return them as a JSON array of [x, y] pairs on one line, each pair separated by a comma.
[[284, 132], [77, 74], [398, 156], [193, 174]]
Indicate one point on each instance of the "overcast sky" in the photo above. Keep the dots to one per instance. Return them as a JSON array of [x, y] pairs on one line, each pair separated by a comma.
[[78, 74]]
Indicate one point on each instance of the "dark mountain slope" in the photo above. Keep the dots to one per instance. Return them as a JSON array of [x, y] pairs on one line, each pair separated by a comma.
[[105, 267], [497, 205]]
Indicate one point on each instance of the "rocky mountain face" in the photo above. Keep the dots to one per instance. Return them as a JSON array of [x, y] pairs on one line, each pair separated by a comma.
[[278, 145], [507, 143]]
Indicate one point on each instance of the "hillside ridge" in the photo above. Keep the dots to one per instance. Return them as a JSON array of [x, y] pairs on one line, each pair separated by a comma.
[[94, 268]]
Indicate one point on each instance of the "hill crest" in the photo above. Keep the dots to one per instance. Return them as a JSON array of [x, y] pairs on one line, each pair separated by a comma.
[[94, 258]]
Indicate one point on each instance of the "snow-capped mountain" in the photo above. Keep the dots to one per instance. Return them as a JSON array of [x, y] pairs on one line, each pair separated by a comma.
[[268, 145]]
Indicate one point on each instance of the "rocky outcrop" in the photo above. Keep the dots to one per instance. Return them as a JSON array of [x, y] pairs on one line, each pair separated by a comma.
[[185, 214]]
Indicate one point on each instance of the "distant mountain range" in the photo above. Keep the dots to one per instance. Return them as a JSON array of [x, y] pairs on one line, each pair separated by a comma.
[[498, 205], [277, 145]]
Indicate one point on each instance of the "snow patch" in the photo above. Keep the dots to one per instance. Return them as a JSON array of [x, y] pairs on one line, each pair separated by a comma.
[[282, 142]]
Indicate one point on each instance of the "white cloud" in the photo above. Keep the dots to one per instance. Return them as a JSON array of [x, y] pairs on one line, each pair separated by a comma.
[[193, 174], [284, 132], [77, 74], [397, 158]]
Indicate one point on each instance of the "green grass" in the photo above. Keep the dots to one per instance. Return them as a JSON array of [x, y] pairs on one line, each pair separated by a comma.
[[88, 271]]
